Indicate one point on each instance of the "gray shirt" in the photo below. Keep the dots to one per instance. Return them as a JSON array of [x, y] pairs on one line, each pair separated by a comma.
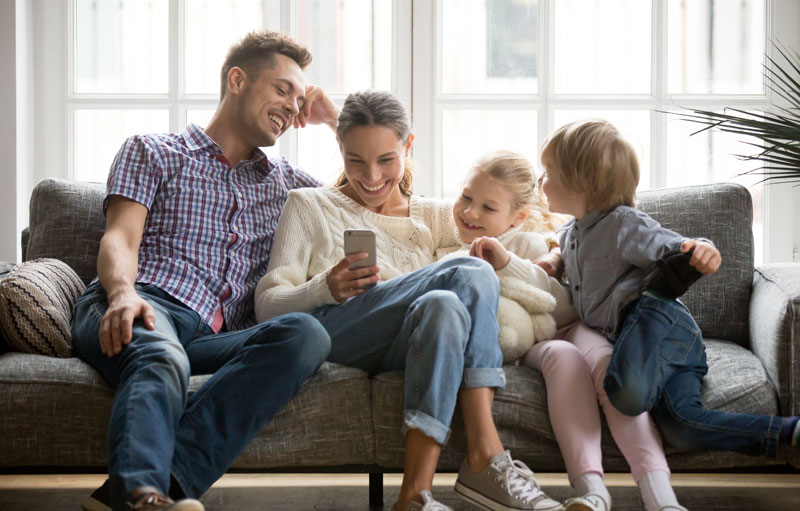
[[606, 256]]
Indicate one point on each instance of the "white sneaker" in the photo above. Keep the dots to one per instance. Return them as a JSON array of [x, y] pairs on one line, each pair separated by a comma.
[[585, 503], [428, 504]]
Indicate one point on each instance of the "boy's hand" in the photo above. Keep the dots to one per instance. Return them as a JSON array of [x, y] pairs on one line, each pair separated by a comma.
[[551, 263], [705, 258], [491, 251]]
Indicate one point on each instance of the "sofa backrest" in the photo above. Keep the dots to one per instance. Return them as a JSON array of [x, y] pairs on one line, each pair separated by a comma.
[[67, 221], [722, 213]]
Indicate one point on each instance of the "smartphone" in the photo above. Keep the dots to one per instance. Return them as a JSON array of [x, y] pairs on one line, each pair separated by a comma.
[[360, 240]]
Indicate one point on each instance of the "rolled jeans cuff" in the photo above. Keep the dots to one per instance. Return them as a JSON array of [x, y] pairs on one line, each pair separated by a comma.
[[475, 377], [414, 419]]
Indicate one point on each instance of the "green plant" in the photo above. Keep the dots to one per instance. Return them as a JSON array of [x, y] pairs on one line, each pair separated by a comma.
[[778, 132]]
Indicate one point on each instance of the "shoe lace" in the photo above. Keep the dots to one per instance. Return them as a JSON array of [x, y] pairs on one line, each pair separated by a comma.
[[521, 483], [432, 504], [150, 501]]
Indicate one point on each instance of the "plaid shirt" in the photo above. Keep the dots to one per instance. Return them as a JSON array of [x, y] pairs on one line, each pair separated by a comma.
[[209, 226]]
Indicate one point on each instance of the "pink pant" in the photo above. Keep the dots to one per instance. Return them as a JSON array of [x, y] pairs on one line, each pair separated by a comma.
[[573, 370]]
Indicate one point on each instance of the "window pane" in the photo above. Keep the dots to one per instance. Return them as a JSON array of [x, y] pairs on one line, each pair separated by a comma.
[[710, 157], [469, 134], [100, 133], [122, 46], [490, 46], [351, 42], [318, 153], [602, 47], [634, 126], [716, 47], [212, 26]]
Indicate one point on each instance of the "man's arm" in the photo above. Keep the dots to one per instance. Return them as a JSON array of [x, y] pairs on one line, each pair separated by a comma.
[[117, 266]]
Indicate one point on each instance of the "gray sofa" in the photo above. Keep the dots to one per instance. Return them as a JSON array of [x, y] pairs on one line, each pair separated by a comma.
[[55, 410]]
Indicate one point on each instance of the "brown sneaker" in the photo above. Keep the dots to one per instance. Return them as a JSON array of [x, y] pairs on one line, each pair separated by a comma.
[[147, 498]]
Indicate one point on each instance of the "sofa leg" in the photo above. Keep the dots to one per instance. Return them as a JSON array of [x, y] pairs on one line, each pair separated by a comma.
[[376, 490]]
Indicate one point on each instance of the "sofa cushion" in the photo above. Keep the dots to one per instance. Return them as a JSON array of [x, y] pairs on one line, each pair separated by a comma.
[[520, 414], [722, 213], [56, 410], [66, 223], [36, 300]]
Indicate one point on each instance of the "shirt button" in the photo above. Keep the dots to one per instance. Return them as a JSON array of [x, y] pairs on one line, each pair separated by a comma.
[[233, 254], [577, 287], [235, 228], [573, 245], [239, 194]]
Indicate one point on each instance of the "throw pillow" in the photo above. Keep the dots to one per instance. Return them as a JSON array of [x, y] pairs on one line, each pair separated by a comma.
[[36, 300]]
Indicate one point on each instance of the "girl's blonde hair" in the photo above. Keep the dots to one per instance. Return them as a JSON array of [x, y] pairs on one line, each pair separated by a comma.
[[377, 108], [516, 173], [593, 158]]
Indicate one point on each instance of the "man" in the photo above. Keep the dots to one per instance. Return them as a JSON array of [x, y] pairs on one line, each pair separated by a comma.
[[189, 225]]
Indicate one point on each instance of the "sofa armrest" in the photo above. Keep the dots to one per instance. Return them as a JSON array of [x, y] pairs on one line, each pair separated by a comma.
[[775, 329]]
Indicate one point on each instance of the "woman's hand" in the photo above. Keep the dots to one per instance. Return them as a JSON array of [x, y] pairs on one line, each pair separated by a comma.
[[317, 109], [551, 263], [491, 251], [345, 283]]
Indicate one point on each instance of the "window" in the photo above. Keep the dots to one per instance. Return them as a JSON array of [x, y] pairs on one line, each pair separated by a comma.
[[476, 75], [142, 66], [505, 73]]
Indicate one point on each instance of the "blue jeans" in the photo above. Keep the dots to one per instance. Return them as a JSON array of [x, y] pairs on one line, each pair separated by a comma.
[[658, 364], [156, 428], [438, 324]]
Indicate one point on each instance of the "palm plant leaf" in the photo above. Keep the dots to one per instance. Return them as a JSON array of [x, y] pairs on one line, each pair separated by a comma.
[[777, 132]]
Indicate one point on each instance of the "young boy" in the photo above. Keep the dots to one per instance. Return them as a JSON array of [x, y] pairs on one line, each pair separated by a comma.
[[625, 272]]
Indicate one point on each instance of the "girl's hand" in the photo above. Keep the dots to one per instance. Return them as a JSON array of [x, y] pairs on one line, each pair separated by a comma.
[[551, 263], [345, 283], [705, 258], [491, 251]]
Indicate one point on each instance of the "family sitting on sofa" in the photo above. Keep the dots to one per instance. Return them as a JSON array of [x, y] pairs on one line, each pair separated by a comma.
[[218, 260]]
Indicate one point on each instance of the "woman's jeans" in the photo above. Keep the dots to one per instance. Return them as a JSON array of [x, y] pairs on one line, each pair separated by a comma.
[[438, 324], [658, 364], [156, 428]]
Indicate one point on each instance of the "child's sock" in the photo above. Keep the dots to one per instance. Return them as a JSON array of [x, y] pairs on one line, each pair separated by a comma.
[[591, 483], [790, 431], [656, 491]]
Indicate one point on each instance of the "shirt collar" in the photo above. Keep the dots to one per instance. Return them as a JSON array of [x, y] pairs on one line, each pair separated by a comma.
[[197, 140], [589, 219]]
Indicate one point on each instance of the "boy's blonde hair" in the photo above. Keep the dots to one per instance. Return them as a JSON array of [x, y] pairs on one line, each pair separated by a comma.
[[516, 173], [592, 157]]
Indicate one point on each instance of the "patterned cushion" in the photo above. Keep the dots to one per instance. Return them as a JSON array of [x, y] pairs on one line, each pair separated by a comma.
[[36, 300], [66, 223], [722, 213]]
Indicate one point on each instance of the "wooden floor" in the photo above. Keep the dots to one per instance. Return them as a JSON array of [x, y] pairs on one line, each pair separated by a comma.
[[305, 492]]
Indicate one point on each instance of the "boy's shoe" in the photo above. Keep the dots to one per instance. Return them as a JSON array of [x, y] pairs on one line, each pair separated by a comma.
[[672, 276], [504, 485], [585, 503], [429, 504]]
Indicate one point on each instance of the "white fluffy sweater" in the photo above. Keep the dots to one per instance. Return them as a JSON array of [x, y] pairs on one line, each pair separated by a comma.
[[310, 240]]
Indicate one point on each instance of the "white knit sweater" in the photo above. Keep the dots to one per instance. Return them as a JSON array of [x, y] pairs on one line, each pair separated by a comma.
[[309, 241]]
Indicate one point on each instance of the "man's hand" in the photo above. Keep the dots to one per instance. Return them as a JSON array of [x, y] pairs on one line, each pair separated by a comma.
[[116, 327], [705, 258], [345, 283], [551, 263], [491, 251], [317, 109]]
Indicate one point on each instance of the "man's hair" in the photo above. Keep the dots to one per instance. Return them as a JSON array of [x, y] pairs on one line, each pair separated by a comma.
[[257, 50], [593, 158]]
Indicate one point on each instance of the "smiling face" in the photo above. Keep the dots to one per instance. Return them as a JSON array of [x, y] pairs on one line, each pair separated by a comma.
[[374, 162], [269, 100], [485, 208]]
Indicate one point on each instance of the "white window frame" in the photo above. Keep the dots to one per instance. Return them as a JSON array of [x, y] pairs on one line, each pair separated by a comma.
[[430, 103]]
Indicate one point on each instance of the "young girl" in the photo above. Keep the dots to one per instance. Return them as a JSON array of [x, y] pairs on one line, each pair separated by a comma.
[[500, 215], [610, 252]]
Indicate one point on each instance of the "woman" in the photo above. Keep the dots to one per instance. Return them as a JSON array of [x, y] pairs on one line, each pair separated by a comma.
[[437, 322]]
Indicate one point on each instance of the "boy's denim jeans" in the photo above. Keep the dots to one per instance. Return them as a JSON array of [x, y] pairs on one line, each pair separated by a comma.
[[156, 428], [438, 324], [658, 364]]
